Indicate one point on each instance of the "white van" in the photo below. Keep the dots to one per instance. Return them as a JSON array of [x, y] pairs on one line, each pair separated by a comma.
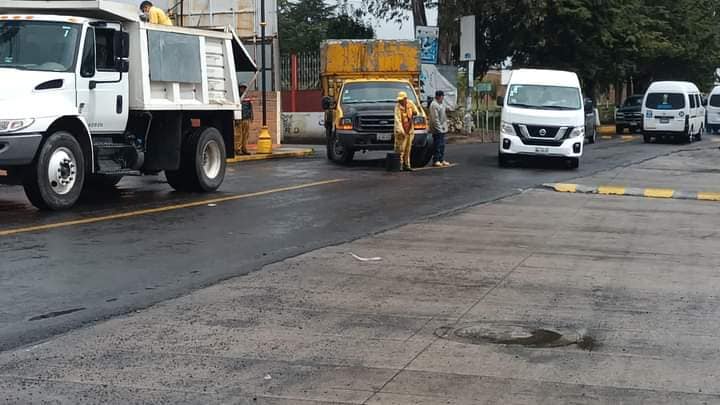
[[543, 115], [673, 110], [712, 111]]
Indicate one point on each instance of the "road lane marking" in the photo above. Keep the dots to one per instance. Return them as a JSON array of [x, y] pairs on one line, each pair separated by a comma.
[[658, 193], [611, 190], [130, 214]]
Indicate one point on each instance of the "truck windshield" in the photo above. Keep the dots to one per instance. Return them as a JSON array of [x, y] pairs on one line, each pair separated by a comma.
[[665, 101], [38, 45], [544, 97], [633, 101], [375, 92]]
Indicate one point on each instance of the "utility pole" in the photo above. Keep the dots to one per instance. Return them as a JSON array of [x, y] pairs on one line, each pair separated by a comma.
[[264, 144]]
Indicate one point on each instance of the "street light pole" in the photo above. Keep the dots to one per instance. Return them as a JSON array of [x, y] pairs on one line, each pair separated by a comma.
[[264, 144]]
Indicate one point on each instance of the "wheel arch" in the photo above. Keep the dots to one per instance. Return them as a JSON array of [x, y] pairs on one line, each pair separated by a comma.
[[78, 128]]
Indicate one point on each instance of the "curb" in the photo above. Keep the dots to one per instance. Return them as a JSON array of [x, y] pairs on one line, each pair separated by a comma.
[[634, 191], [283, 153]]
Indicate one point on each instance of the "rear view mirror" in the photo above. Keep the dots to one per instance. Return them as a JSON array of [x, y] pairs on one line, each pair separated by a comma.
[[122, 65], [500, 101], [121, 44], [327, 103]]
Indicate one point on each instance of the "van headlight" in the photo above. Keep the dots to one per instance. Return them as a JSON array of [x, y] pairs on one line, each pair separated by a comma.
[[579, 131], [507, 129], [15, 125]]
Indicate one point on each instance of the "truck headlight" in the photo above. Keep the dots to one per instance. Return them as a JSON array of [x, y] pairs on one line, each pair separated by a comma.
[[506, 129], [579, 131], [345, 123], [15, 125], [419, 122]]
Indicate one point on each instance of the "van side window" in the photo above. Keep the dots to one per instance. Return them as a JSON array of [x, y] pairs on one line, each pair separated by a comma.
[[104, 49], [87, 68], [693, 101]]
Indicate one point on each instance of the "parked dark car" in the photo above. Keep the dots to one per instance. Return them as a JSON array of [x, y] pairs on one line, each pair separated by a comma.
[[629, 115]]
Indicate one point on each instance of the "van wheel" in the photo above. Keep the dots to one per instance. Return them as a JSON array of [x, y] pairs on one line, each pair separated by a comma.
[[699, 135], [690, 136], [55, 180], [336, 151], [503, 160], [647, 138], [202, 162]]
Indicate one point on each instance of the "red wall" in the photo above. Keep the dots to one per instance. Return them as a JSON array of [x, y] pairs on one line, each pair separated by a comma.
[[305, 101]]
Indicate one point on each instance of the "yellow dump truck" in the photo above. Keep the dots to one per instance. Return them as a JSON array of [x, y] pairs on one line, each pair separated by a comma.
[[360, 82]]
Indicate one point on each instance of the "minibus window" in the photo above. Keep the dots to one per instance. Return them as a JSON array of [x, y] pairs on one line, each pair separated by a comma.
[[665, 101], [715, 100]]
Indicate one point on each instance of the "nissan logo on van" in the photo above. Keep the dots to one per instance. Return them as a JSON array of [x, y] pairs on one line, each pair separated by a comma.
[[543, 132]]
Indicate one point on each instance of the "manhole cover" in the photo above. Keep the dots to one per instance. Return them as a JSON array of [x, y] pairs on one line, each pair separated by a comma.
[[513, 334]]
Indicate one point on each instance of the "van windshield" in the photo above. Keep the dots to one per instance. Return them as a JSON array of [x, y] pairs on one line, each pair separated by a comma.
[[715, 100], [38, 45], [375, 92], [544, 97], [665, 101]]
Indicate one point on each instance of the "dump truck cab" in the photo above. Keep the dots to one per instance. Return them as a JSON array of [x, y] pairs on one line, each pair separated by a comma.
[[361, 81]]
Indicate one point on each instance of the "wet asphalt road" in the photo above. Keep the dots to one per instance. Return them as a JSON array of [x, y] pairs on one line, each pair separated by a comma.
[[53, 280]]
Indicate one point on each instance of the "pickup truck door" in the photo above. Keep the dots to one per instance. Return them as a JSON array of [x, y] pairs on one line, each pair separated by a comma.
[[102, 94]]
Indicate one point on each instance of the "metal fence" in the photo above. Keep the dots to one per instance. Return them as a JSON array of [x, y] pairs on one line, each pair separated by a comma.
[[308, 71]]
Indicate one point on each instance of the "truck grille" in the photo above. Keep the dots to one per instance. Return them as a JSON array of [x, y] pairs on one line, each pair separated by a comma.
[[376, 123]]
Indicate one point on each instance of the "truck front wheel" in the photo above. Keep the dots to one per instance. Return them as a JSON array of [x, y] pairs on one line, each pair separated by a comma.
[[202, 165], [337, 152], [55, 180], [421, 156]]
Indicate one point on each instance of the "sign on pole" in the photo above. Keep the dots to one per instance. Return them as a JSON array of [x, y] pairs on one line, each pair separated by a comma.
[[428, 37], [467, 38]]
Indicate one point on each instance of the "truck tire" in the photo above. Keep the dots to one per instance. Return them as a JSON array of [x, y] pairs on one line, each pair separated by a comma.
[[55, 179], [102, 181], [573, 163], [420, 157], [202, 162], [337, 153], [503, 160], [619, 129]]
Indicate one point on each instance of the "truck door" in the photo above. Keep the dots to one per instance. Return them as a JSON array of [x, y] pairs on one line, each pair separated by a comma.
[[102, 91]]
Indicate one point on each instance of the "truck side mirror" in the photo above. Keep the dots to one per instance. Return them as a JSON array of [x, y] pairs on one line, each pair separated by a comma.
[[122, 65], [327, 103], [121, 44], [500, 101]]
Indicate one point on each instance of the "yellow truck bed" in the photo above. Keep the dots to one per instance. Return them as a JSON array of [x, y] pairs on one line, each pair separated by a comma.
[[343, 60]]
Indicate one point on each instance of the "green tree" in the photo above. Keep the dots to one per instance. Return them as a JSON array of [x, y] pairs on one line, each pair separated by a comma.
[[304, 24]]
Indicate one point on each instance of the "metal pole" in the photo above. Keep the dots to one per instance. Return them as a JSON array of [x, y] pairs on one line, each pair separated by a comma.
[[293, 81], [263, 23]]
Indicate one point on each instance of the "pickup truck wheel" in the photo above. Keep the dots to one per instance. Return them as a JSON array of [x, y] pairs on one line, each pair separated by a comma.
[[336, 151], [56, 178], [202, 165], [420, 157], [619, 129]]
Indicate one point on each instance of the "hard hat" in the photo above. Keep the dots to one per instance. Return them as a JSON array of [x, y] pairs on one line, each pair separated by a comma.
[[401, 96]]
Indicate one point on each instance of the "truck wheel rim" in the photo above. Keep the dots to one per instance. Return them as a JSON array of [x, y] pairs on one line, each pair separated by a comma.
[[338, 148], [212, 161], [62, 171]]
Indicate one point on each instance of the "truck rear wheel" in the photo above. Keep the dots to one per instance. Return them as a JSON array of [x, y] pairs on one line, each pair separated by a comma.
[[336, 151], [202, 165], [56, 178]]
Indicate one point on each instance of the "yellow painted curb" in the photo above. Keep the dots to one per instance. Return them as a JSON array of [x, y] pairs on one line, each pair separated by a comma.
[[606, 129], [611, 190], [566, 188], [658, 193], [708, 196], [274, 155]]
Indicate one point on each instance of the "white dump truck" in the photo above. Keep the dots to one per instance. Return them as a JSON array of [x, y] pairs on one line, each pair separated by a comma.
[[90, 93]]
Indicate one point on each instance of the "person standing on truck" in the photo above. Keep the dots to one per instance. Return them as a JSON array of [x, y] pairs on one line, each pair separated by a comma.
[[246, 118], [154, 14], [405, 112], [438, 128]]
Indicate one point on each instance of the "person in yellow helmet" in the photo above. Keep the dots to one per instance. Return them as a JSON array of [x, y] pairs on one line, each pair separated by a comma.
[[154, 14], [405, 112]]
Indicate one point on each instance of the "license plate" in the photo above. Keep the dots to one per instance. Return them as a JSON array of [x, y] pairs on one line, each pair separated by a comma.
[[542, 150], [664, 120], [384, 137]]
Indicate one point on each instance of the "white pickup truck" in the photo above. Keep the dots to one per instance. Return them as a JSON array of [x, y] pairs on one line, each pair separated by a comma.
[[90, 93]]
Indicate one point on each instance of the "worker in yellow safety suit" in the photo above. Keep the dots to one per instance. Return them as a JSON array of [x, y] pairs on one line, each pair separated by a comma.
[[154, 14], [405, 112]]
